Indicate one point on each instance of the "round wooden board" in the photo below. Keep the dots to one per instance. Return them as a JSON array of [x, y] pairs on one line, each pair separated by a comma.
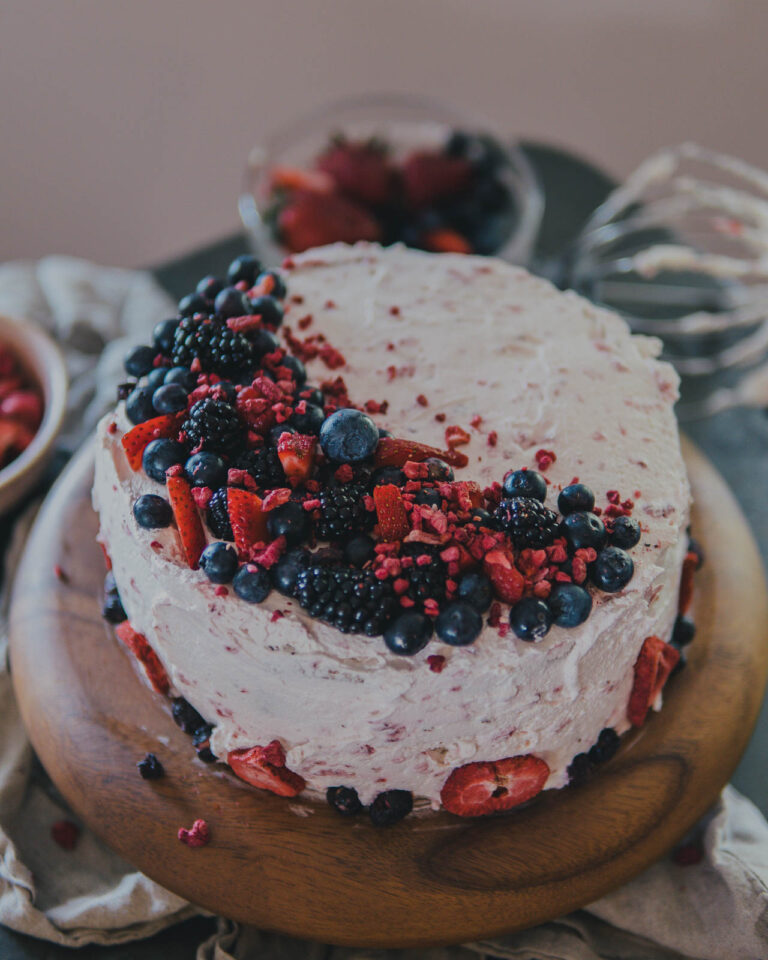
[[296, 866]]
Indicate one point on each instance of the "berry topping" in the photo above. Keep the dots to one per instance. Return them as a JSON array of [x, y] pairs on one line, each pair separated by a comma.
[[290, 521], [625, 533], [652, 668], [217, 515], [583, 530], [348, 436], [600, 752], [252, 583], [186, 717], [213, 425], [314, 219], [612, 570], [527, 522], [428, 176], [269, 309], [247, 519], [459, 624], [438, 469], [272, 283], [477, 590], [409, 633], [181, 375], [343, 514], [358, 550], [390, 807], [525, 483], [206, 469], [150, 767], [231, 302], [198, 835], [244, 267], [359, 170], [139, 361], [216, 348], [209, 287], [344, 800], [152, 512], [137, 643], [569, 603], [170, 398], [477, 789], [112, 607], [530, 619], [138, 405], [508, 582], [159, 456], [187, 519], [350, 600], [219, 562], [309, 420], [264, 767], [191, 304], [575, 498], [297, 456], [162, 336], [391, 512], [263, 465], [393, 452], [683, 632]]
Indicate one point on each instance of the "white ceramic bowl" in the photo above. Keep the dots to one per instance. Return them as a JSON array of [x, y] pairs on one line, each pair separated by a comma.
[[42, 361]]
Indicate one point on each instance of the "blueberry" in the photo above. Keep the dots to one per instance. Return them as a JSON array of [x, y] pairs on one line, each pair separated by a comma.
[[170, 398], [428, 497], [289, 521], [625, 533], [264, 341], [152, 511], [530, 619], [344, 800], [297, 368], [438, 470], [459, 624], [230, 302], [358, 550], [606, 746], [228, 390], [384, 433], [481, 517], [612, 570], [181, 375], [476, 589], [570, 604], [210, 287], [252, 583], [219, 562], [244, 267], [525, 483], [390, 806], [458, 144], [310, 421], [156, 377], [161, 455], [279, 289], [313, 395], [206, 469], [124, 390], [409, 633], [269, 309], [287, 569], [683, 632], [348, 436], [150, 767], [138, 406], [492, 231], [163, 335], [112, 608], [575, 498], [276, 432], [185, 716], [193, 303], [583, 530], [139, 361], [386, 475]]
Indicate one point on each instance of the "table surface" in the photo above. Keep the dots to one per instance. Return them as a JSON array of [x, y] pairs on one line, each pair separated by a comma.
[[736, 441]]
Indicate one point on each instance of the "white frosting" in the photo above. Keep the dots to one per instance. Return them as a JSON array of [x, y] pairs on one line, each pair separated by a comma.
[[543, 369]]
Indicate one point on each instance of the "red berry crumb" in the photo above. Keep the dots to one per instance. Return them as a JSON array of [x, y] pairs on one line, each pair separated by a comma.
[[66, 834], [544, 458], [422, 400], [436, 662], [198, 835], [493, 438]]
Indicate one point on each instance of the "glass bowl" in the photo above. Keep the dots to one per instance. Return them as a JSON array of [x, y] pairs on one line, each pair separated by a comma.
[[405, 124]]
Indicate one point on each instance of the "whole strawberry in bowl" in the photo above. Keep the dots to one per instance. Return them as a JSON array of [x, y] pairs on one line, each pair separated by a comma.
[[390, 169]]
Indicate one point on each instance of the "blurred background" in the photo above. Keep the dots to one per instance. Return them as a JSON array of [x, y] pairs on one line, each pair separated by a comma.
[[125, 127]]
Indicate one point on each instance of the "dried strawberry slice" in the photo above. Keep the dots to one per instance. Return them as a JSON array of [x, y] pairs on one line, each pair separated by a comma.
[[508, 582], [264, 767], [445, 240], [138, 645], [247, 518], [477, 789], [360, 171], [394, 452], [653, 666], [297, 455], [187, 519], [294, 178], [690, 565], [391, 512], [314, 219], [137, 438]]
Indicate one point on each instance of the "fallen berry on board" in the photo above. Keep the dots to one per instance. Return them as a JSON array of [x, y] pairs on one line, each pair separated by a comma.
[[481, 788]]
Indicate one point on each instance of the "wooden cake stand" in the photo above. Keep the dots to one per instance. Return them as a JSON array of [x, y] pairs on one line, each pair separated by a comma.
[[297, 866]]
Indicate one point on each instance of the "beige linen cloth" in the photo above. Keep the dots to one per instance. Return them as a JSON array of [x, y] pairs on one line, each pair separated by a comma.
[[716, 909]]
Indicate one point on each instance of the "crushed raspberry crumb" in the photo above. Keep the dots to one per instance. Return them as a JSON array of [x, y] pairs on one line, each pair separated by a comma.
[[276, 615], [440, 417], [422, 400], [175, 471], [198, 835], [476, 421], [221, 591], [304, 322], [436, 662], [544, 458], [156, 546], [60, 574], [65, 834], [456, 436], [275, 498], [202, 496], [345, 473], [112, 428], [331, 357], [395, 311], [330, 304], [493, 438], [373, 406]]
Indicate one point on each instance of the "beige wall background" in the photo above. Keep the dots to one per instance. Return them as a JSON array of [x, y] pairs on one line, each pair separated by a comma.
[[124, 126]]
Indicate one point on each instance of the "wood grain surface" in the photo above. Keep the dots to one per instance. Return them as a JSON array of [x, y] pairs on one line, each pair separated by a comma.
[[296, 866]]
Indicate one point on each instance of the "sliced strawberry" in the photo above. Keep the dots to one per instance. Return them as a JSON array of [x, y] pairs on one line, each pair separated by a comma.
[[390, 511], [690, 565], [477, 789], [393, 452], [293, 178], [140, 648], [26, 406], [297, 455], [247, 518], [14, 437], [313, 219], [360, 171], [428, 176], [508, 582], [445, 240], [187, 519], [139, 436], [653, 666], [107, 558], [264, 767]]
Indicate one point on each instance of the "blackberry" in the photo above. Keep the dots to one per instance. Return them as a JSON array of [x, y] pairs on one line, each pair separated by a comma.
[[219, 349], [218, 516], [426, 582], [344, 800], [264, 466], [390, 806], [343, 512], [150, 767], [353, 601], [214, 425], [527, 522]]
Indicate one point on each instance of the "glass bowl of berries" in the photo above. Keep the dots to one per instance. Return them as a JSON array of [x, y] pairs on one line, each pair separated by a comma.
[[390, 169], [33, 396]]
